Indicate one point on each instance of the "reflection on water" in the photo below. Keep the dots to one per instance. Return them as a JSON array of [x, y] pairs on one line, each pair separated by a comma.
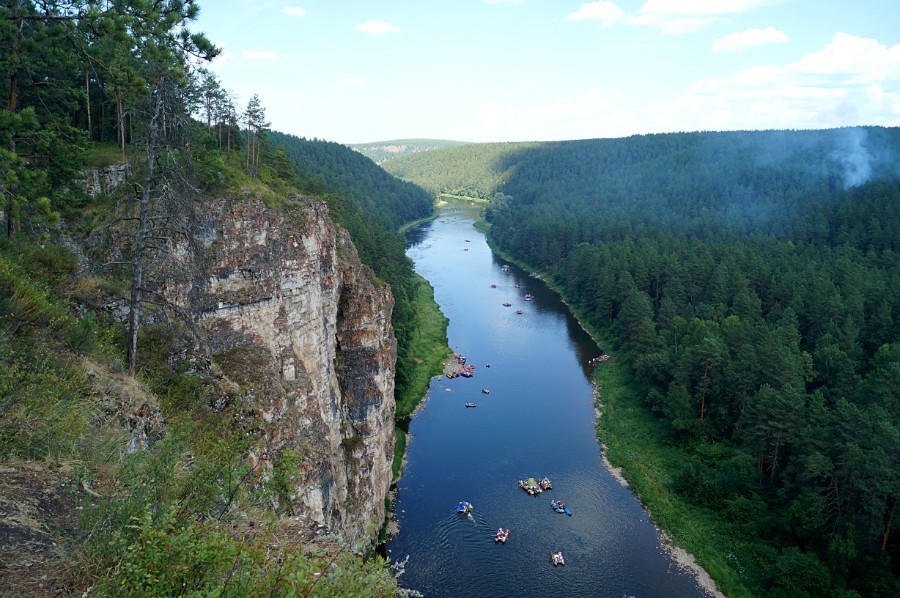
[[537, 420]]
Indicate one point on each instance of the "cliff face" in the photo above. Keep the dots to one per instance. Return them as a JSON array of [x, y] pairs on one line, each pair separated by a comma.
[[303, 328]]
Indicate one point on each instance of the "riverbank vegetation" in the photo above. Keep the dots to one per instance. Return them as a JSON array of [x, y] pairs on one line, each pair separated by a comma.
[[748, 286]]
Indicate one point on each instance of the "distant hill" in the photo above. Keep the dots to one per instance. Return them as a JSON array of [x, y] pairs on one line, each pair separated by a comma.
[[472, 170], [380, 151]]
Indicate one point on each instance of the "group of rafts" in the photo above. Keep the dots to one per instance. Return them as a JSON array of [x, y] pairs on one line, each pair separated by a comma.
[[535, 487], [532, 487], [466, 371]]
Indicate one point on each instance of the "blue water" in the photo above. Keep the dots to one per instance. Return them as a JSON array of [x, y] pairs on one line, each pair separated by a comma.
[[538, 420]]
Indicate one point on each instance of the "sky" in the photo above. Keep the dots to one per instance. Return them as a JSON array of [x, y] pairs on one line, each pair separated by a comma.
[[356, 71]]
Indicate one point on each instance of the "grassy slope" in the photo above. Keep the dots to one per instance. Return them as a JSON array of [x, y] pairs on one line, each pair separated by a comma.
[[430, 346]]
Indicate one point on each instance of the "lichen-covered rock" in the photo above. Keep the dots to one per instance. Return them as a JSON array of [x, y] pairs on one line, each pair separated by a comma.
[[103, 181], [303, 328]]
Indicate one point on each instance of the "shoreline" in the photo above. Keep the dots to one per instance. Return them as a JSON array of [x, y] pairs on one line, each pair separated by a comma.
[[682, 557], [684, 560]]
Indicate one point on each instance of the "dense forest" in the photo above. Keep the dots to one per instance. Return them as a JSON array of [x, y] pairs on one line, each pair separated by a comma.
[[119, 85], [325, 165], [472, 170], [749, 282]]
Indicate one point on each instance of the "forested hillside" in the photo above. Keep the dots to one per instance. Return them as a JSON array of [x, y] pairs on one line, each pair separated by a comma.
[[331, 166], [749, 283], [475, 170]]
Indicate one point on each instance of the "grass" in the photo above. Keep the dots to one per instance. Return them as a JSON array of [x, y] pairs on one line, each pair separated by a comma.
[[635, 442], [101, 154], [429, 346], [416, 223], [399, 452]]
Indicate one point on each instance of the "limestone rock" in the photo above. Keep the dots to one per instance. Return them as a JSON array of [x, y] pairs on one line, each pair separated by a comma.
[[303, 328]]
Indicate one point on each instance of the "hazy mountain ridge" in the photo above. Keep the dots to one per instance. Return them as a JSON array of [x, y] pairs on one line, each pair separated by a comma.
[[381, 151]]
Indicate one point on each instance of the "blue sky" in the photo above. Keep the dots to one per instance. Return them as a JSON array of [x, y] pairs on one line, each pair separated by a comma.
[[354, 71]]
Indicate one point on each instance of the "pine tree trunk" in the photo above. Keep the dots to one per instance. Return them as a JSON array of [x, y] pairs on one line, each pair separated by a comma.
[[137, 277], [120, 115], [249, 145], [12, 98], [703, 392], [87, 95], [887, 528]]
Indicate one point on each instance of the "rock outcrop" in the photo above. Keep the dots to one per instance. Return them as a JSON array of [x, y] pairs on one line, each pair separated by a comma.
[[103, 181], [303, 329]]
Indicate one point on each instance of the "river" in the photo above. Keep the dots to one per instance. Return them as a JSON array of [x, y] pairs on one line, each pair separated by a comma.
[[537, 420]]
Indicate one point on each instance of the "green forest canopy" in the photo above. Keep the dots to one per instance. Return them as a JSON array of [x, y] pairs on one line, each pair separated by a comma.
[[750, 282]]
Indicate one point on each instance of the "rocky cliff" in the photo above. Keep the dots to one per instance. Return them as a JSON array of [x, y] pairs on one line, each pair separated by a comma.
[[303, 329]]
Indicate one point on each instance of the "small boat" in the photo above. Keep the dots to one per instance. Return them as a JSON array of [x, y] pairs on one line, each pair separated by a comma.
[[557, 559], [545, 483], [485, 391], [505, 267], [507, 305], [464, 507], [501, 536], [518, 285], [528, 297], [487, 365], [493, 286], [560, 507], [519, 312], [530, 486], [471, 405]]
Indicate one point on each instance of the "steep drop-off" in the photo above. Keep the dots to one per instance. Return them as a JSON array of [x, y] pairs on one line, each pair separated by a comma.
[[303, 328]]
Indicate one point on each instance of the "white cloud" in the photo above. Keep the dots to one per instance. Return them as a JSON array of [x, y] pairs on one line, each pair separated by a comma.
[[677, 17], [294, 11], [592, 114], [377, 27], [850, 81], [605, 12], [751, 38], [856, 60], [670, 25], [260, 55], [697, 7], [352, 82]]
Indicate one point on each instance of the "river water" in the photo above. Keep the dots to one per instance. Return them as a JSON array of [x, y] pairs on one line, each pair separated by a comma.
[[537, 420]]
